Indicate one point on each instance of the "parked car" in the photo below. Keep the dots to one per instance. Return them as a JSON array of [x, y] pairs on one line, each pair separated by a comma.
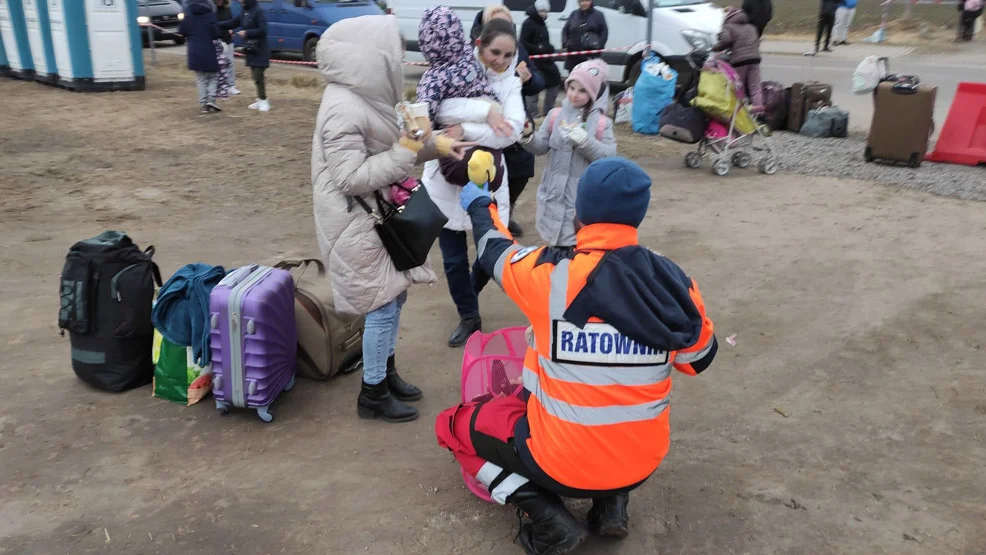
[[680, 27], [165, 14], [295, 25]]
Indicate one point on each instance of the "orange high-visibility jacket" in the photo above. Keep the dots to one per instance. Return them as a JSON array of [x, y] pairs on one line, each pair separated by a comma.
[[610, 321]]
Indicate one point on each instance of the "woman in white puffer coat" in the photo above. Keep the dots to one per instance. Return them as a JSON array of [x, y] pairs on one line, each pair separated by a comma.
[[496, 51]]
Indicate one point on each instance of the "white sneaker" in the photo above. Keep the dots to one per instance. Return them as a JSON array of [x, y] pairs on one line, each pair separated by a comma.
[[234, 91], [264, 106], [255, 105]]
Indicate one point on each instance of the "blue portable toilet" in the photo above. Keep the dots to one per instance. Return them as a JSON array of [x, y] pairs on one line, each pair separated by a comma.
[[14, 33], [4, 66], [97, 44], [39, 36]]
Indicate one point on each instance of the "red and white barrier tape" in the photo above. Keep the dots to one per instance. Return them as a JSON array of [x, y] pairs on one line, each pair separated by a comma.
[[425, 64]]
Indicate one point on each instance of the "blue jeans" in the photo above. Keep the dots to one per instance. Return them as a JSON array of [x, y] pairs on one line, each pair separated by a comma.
[[380, 339], [463, 285]]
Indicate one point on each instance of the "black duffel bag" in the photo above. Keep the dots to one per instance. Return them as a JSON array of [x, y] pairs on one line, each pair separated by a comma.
[[107, 289]]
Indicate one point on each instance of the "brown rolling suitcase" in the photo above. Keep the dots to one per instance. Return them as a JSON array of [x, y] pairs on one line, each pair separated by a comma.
[[804, 98], [902, 122], [328, 342]]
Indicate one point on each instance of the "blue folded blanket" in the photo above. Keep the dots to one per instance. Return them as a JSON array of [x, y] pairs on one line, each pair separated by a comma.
[[182, 310]]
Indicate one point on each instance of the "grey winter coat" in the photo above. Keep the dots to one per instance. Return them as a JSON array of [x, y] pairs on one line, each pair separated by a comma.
[[566, 163], [355, 151], [741, 37]]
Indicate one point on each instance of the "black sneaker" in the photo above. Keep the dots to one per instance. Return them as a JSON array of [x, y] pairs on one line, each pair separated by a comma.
[[205, 109], [214, 107]]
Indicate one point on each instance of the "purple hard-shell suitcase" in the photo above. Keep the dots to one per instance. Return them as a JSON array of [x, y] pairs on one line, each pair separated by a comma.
[[253, 338]]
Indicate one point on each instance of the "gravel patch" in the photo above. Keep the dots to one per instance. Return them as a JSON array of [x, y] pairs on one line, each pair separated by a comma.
[[844, 158]]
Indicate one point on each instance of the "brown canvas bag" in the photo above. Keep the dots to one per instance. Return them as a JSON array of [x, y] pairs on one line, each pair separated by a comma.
[[328, 342]]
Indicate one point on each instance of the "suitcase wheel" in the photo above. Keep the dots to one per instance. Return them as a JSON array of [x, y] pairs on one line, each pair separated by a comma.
[[222, 408], [265, 415], [868, 154], [290, 385], [913, 161]]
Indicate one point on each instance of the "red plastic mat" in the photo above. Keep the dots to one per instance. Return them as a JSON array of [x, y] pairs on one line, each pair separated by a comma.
[[963, 139]]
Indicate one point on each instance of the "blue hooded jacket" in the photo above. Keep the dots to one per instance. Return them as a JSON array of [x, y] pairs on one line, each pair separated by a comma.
[[200, 29]]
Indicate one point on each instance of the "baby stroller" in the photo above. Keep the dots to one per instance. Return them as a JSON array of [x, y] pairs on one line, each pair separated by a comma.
[[721, 96]]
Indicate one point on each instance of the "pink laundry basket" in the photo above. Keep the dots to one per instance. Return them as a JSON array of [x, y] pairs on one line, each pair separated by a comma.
[[492, 366]]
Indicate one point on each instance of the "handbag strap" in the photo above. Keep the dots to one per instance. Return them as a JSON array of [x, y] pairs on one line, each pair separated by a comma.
[[303, 263]]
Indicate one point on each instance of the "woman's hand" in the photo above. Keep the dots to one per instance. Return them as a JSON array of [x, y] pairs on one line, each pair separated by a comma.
[[459, 149], [455, 132], [500, 125], [524, 73], [242, 33]]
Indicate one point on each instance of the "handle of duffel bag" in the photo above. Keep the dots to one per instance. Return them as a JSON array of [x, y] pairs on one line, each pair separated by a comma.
[[303, 264]]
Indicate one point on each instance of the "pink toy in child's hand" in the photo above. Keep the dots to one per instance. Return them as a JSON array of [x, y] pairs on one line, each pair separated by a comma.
[[401, 192]]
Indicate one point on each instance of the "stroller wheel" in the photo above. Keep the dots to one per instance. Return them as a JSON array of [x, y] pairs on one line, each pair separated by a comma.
[[741, 160], [720, 167], [693, 160], [768, 166]]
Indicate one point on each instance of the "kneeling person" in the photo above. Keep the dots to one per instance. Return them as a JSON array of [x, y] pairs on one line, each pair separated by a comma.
[[610, 320]]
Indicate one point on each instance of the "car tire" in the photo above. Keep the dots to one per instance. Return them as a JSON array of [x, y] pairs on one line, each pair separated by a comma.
[[308, 53], [634, 73], [179, 41]]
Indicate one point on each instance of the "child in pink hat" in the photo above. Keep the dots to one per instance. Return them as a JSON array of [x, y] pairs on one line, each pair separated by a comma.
[[574, 136]]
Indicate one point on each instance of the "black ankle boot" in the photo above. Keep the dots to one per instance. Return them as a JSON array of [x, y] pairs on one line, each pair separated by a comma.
[[552, 530], [467, 326], [376, 402], [400, 389], [609, 517]]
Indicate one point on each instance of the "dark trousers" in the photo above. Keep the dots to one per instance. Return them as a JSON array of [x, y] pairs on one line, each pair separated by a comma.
[[826, 21], [517, 187], [259, 81], [464, 285], [967, 24]]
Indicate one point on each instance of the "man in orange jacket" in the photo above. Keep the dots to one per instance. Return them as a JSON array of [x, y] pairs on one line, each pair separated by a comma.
[[610, 319]]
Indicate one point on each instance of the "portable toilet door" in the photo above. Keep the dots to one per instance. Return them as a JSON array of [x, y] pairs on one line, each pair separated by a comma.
[[114, 44], [39, 35], [70, 39], [14, 33]]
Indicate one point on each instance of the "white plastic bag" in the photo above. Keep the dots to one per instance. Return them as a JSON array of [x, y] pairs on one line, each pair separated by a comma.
[[624, 106], [868, 74]]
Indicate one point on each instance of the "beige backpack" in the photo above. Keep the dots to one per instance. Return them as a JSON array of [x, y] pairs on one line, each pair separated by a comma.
[[328, 342]]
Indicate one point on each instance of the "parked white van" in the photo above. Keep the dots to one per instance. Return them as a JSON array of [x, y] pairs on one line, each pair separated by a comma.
[[679, 27]]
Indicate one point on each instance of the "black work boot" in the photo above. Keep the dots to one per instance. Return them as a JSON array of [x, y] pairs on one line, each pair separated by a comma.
[[375, 401], [552, 530], [608, 516], [467, 326], [400, 389]]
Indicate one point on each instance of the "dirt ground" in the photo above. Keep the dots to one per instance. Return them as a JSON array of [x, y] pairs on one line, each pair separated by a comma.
[[848, 418]]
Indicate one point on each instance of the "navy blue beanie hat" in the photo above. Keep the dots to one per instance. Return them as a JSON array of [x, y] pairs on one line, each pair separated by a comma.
[[613, 191]]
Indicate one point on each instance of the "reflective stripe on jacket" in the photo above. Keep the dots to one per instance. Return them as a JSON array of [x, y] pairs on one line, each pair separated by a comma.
[[600, 393]]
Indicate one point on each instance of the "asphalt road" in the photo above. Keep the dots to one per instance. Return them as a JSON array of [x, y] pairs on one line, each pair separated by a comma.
[[944, 71]]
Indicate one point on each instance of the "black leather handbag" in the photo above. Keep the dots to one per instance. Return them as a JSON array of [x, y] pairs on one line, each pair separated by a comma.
[[409, 231]]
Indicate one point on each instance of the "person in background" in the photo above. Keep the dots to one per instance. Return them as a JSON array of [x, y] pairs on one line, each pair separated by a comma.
[[569, 135], [826, 21], [969, 12], [610, 322], [358, 149], [223, 13], [843, 19], [519, 162], [253, 28], [200, 28], [739, 36], [585, 29], [496, 51], [760, 13], [535, 39]]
